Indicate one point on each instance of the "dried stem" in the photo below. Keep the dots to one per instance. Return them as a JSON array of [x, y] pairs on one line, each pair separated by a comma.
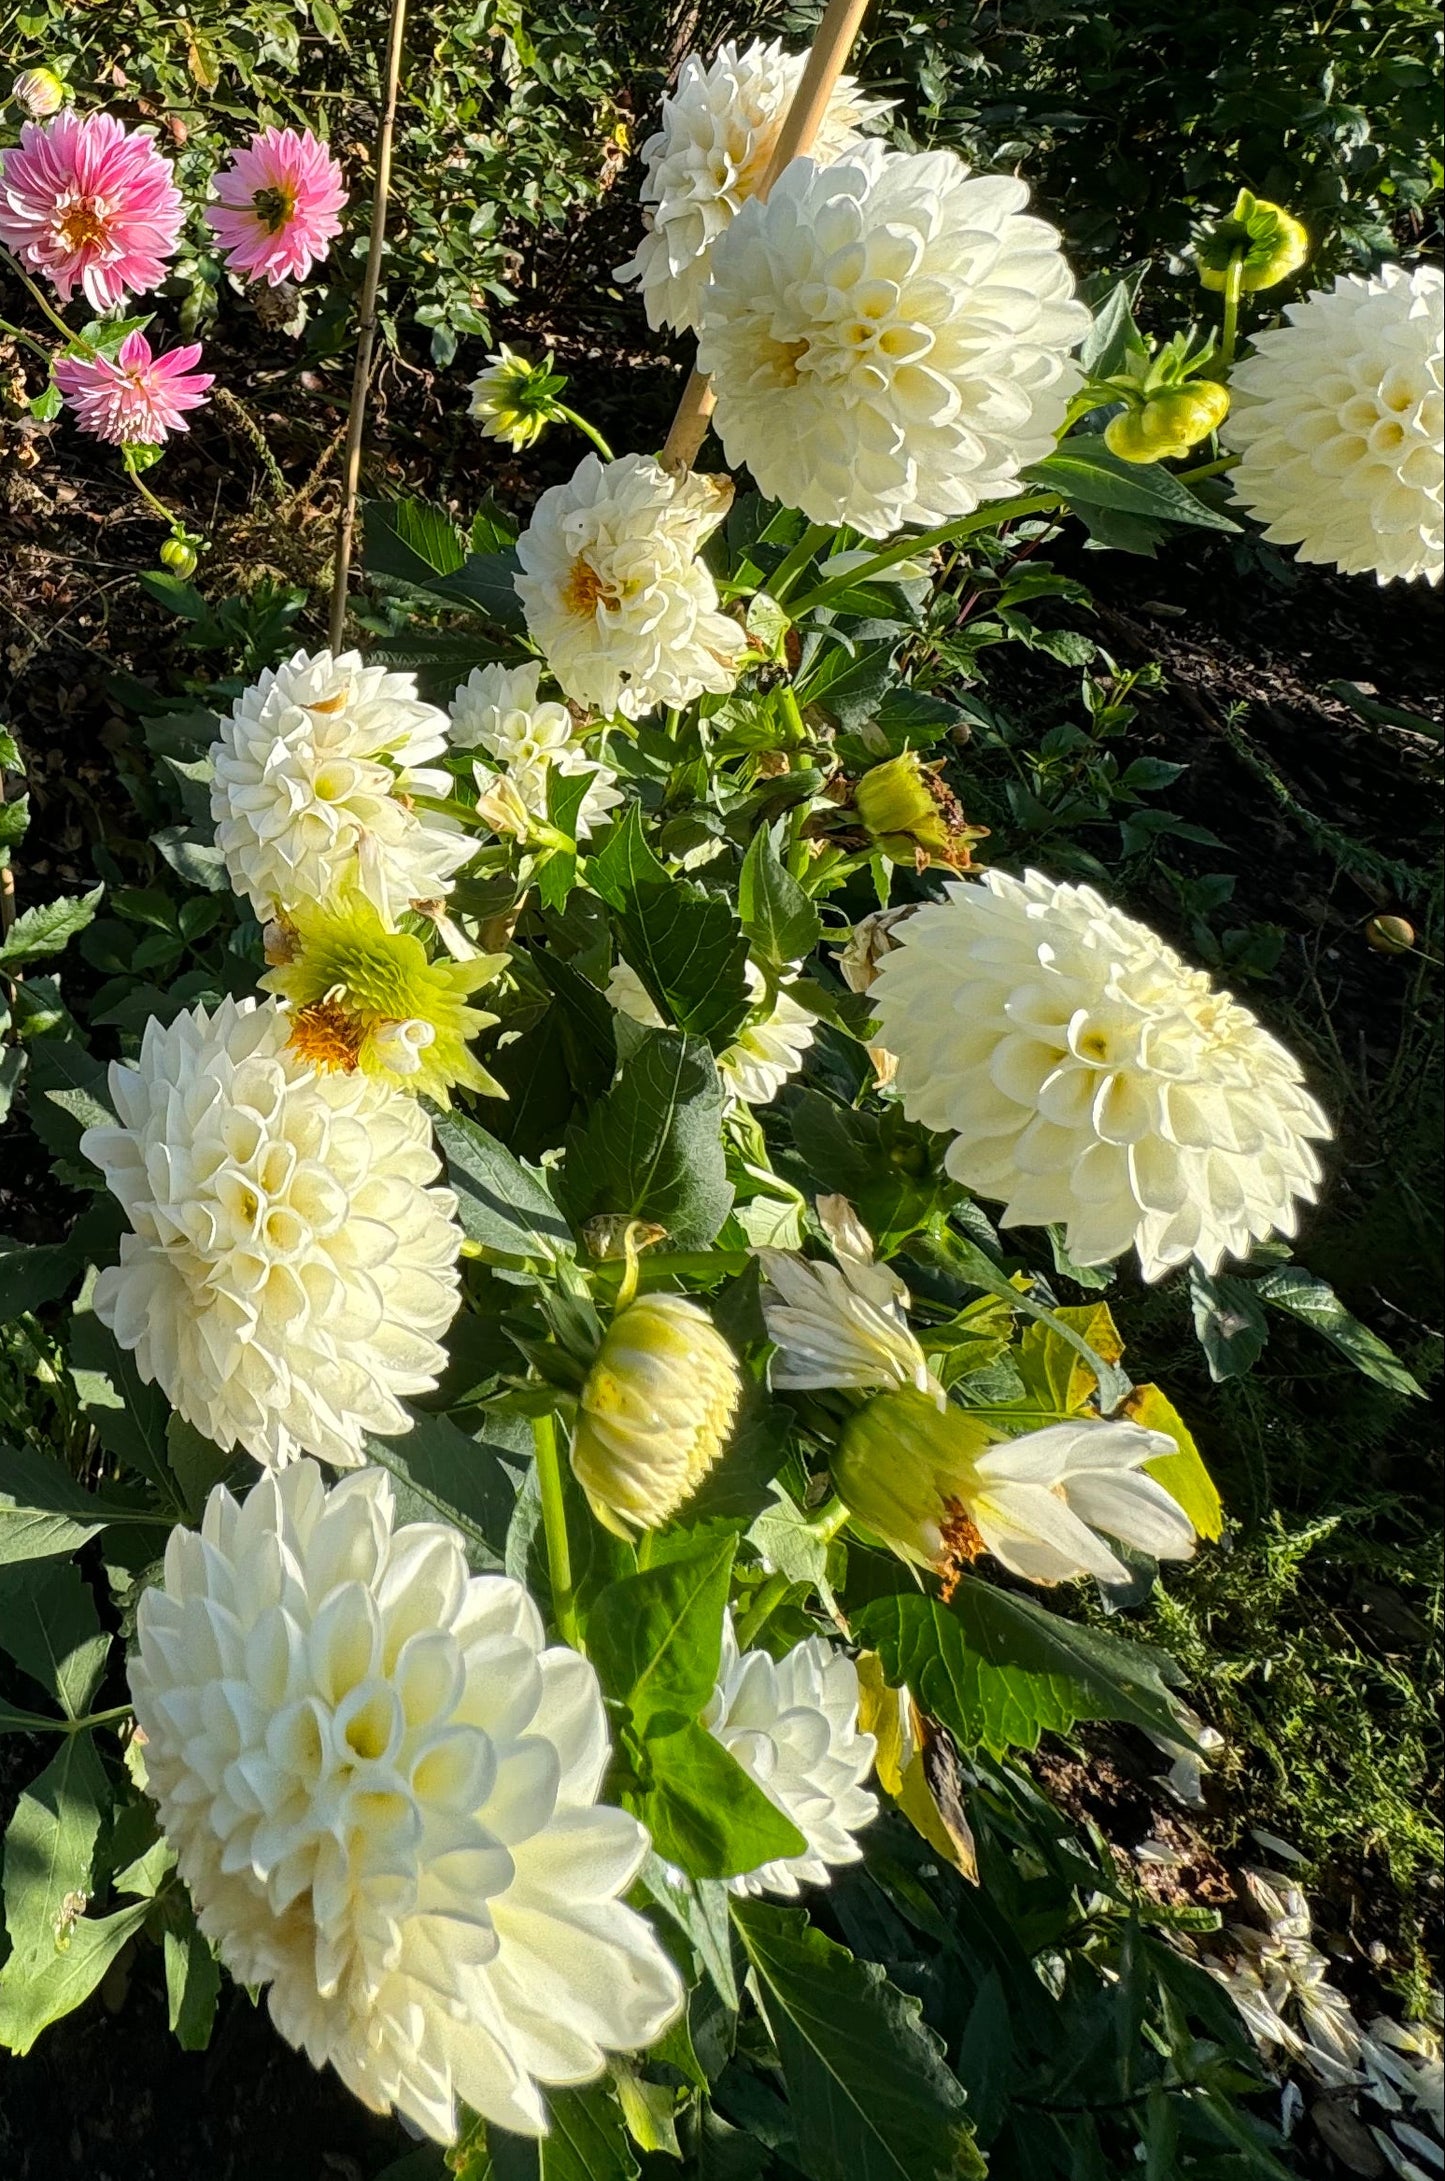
[[366, 332], [842, 20]]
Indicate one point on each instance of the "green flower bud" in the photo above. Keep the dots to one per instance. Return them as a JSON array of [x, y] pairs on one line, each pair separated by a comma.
[[179, 557], [515, 400], [906, 1468], [655, 1414], [1172, 422], [908, 813], [1272, 242], [38, 92]]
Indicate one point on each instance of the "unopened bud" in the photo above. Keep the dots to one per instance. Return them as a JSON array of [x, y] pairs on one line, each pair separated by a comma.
[[1172, 422], [1269, 242], [38, 92], [909, 813], [1390, 935], [906, 1469], [655, 1413], [179, 557]]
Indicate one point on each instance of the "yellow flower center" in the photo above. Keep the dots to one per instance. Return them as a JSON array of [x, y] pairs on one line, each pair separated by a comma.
[[83, 225], [328, 1035], [962, 1545], [585, 590]]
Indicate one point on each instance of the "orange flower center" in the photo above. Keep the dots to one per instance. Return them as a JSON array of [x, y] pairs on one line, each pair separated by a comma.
[[327, 1035], [585, 590], [962, 1545], [82, 225]]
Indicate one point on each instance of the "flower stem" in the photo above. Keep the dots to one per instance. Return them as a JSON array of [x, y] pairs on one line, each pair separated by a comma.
[[590, 429], [770, 1596], [788, 571], [1233, 289], [18, 333], [554, 1526], [983, 518], [166, 514], [38, 297]]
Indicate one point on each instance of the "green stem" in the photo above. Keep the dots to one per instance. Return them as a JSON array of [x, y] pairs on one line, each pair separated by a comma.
[[590, 429], [1233, 289], [1207, 469], [762, 1609], [792, 713], [95, 1719], [18, 333], [166, 514], [38, 297], [788, 570], [984, 518], [554, 1526]]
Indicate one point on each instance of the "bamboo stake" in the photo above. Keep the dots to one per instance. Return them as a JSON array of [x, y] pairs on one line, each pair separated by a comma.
[[366, 331], [842, 20]]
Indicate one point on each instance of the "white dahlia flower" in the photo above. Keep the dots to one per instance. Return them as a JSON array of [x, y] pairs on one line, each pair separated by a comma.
[[719, 128], [1338, 418], [289, 1271], [844, 1324], [1091, 1079], [497, 709], [624, 611], [763, 1055], [381, 1788], [792, 1724], [655, 1414], [314, 774], [888, 338], [935, 1482]]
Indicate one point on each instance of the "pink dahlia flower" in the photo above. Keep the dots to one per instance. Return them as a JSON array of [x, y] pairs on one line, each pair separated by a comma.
[[91, 205], [277, 206], [133, 399]]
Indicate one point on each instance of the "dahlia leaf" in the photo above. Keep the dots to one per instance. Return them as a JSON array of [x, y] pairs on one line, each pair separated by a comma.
[[48, 928], [411, 541], [1314, 1302], [441, 1473], [872, 2097], [656, 1637], [49, 1849], [685, 945], [1229, 1320], [49, 1626], [704, 1812], [653, 1147], [44, 1511], [586, 2141], [129, 1415], [193, 1985], [1183, 1475], [777, 915], [1086, 475], [501, 1203]]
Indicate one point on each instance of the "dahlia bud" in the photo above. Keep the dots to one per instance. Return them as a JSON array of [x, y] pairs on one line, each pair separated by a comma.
[[655, 1413], [179, 557], [909, 813], [903, 1468], [38, 92], [515, 400], [1269, 242], [1390, 935], [1170, 423]]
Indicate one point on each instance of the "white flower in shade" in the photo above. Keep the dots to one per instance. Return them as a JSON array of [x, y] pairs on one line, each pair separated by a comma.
[[1092, 1079], [792, 1724], [889, 338], [289, 1271], [942, 1489], [763, 1055], [1279, 1980], [498, 709], [655, 1414], [719, 128], [381, 1788], [314, 774], [844, 1324], [1338, 418], [615, 595]]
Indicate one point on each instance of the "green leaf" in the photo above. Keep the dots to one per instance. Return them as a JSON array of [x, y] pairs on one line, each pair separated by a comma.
[[1314, 1302], [1229, 1320], [653, 1147], [882, 1163], [1112, 1383], [48, 928], [410, 540], [197, 1463], [1113, 338], [699, 1907], [49, 1849], [586, 2141], [779, 918], [1086, 475], [686, 945], [656, 1637], [440, 1473], [130, 1416], [999, 1670], [487, 583], [193, 855], [501, 1203], [43, 1511], [872, 2097], [66, 1094], [1183, 1474], [193, 1985], [49, 1626], [60, 1983], [703, 1811]]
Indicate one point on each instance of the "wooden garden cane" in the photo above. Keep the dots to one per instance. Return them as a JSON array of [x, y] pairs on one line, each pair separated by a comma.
[[841, 22]]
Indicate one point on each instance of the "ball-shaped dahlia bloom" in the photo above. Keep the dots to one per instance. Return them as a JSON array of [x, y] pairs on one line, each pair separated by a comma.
[[940, 1486], [278, 206], [311, 792], [289, 1269], [719, 130], [889, 338], [615, 595], [1338, 419], [91, 205], [381, 1787], [1093, 1080], [792, 1724], [655, 1414], [498, 709]]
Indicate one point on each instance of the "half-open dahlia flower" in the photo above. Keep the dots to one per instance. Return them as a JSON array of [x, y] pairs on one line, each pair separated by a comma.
[[134, 398], [719, 128], [840, 1324], [1338, 418], [381, 1788], [91, 205], [889, 338], [498, 709], [314, 771], [289, 1271], [1091, 1079], [615, 594], [792, 1724], [655, 1414], [277, 206]]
